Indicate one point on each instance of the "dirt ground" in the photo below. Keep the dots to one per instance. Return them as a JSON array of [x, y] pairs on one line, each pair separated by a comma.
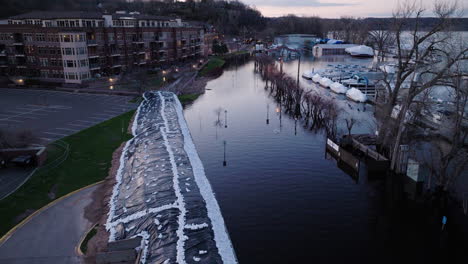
[[97, 211]]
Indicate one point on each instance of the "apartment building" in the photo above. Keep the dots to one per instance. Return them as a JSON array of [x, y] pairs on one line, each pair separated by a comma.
[[75, 47]]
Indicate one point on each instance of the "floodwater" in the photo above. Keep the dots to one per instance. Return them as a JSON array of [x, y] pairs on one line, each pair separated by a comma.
[[282, 198]]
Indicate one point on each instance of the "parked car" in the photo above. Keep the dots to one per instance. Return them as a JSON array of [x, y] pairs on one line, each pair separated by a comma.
[[22, 161]]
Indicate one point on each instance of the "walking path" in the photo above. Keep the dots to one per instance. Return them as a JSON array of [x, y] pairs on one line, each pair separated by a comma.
[[52, 235]]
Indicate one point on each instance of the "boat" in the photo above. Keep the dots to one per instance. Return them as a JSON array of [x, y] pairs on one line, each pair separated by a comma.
[[316, 78], [338, 88], [357, 81], [308, 75], [360, 51], [356, 95], [325, 82]]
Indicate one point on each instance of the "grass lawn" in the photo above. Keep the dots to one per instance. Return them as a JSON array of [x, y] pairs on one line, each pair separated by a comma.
[[213, 64], [89, 162], [187, 98], [136, 99]]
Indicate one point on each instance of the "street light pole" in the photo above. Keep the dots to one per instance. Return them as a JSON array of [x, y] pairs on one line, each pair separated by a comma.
[[298, 70], [225, 118]]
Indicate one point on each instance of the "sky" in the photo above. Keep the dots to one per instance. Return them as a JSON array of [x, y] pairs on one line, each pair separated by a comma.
[[331, 8]]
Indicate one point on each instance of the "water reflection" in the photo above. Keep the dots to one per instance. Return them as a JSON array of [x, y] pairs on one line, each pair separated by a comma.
[[283, 201]]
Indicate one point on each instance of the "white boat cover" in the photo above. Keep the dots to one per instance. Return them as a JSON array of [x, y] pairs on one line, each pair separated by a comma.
[[316, 78], [360, 50], [325, 82], [356, 95], [338, 88]]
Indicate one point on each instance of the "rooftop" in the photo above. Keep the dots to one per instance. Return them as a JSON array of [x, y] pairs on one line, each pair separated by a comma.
[[335, 46], [58, 15]]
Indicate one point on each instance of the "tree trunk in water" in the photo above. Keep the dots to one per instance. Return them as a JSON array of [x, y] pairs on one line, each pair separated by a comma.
[[401, 126]]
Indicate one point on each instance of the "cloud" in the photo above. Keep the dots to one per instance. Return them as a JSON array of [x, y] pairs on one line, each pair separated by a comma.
[[301, 3]]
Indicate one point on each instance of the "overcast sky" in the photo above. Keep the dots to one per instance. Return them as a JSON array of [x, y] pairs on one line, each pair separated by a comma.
[[330, 8]]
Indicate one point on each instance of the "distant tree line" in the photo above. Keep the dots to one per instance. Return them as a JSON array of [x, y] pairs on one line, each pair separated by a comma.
[[230, 17]]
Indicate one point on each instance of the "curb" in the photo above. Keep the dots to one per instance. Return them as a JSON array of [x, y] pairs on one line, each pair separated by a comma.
[[78, 247], [5, 237]]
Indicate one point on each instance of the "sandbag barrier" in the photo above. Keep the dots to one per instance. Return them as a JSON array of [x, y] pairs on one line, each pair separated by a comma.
[[162, 194]]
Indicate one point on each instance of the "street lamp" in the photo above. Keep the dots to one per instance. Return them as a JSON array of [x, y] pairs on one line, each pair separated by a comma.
[[225, 118]]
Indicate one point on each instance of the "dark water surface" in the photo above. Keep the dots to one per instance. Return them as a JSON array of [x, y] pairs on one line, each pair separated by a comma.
[[282, 200]]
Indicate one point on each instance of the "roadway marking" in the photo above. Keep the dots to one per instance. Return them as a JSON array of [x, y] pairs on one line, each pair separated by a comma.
[[51, 133], [19, 114], [107, 116], [39, 114], [10, 120], [16, 112], [78, 125], [68, 129], [97, 118], [85, 121], [112, 112]]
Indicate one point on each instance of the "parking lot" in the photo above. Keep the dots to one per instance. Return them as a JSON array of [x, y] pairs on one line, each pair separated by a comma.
[[51, 115]]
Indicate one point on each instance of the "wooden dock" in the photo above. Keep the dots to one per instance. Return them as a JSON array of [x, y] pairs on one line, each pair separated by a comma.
[[374, 160]]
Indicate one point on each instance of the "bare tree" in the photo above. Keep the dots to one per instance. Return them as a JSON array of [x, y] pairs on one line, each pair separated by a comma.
[[452, 157], [425, 58], [350, 122], [381, 40]]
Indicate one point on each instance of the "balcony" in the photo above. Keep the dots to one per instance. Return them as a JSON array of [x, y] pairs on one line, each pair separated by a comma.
[[92, 42], [94, 66]]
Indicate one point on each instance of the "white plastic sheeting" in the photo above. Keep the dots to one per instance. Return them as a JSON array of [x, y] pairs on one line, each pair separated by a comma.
[[308, 74], [338, 88], [325, 82], [316, 78], [360, 51], [150, 198], [356, 95]]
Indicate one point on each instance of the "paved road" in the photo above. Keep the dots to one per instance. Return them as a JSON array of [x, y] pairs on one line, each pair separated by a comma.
[[12, 178], [51, 236], [52, 115]]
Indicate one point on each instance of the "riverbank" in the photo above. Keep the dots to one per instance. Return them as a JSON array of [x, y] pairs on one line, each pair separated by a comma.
[[169, 204]]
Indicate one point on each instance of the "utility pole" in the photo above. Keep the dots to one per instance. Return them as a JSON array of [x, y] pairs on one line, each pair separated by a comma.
[[298, 69]]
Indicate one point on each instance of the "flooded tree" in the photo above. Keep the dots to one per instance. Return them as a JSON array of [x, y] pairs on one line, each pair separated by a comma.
[[381, 40], [316, 111], [350, 122], [425, 58], [448, 158]]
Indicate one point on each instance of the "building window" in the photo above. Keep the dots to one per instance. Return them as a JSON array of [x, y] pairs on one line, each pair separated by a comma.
[[31, 59], [45, 73], [84, 75], [44, 62], [28, 37], [68, 51], [81, 51], [40, 37], [71, 76], [79, 38], [69, 63], [83, 63], [66, 38]]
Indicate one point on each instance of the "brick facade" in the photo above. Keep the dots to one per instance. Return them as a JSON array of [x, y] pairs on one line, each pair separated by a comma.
[[72, 47]]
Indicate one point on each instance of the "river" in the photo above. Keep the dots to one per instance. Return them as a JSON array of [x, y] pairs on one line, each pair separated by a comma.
[[282, 198]]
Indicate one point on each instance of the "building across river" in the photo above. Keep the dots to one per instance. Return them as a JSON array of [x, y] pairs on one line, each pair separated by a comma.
[[73, 47]]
